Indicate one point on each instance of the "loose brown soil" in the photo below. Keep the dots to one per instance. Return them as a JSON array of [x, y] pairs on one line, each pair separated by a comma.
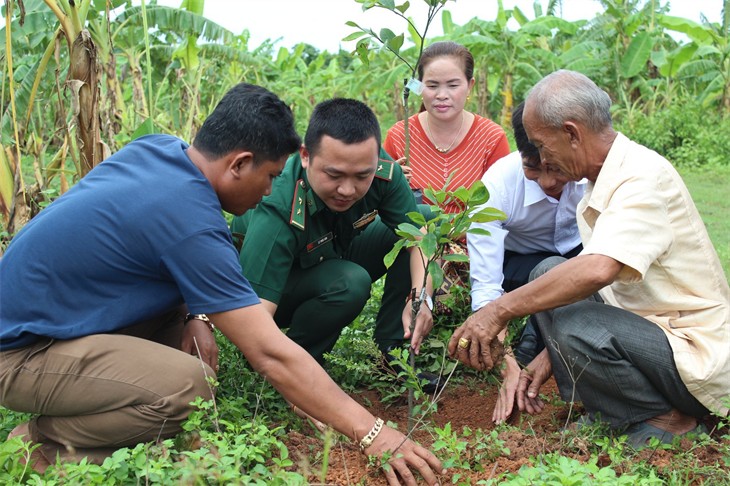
[[471, 406]]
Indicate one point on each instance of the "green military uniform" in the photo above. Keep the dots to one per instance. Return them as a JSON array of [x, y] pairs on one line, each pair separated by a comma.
[[318, 265]]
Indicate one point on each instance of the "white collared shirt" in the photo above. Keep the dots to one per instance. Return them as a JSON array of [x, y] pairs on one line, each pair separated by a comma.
[[535, 223]]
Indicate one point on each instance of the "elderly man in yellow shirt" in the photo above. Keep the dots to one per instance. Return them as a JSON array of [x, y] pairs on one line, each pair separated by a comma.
[[637, 325]]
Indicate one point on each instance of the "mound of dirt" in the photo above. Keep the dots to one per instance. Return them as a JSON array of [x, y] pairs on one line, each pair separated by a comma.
[[465, 406]]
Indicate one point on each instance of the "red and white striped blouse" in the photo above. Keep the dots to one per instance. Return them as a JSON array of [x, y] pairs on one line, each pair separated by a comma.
[[483, 145]]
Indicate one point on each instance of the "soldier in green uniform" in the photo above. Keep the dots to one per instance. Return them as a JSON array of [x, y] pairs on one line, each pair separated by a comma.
[[312, 249]]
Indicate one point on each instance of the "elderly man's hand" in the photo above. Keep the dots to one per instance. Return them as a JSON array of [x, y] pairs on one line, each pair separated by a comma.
[[406, 457], [505, 404], [531, 379], [475, 342]]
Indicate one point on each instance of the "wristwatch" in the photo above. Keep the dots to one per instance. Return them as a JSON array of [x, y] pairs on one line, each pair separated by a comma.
[[429, 302], [427, 299], [200, 317]]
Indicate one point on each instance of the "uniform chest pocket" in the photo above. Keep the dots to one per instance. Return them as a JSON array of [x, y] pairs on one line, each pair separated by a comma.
[[318, 251]]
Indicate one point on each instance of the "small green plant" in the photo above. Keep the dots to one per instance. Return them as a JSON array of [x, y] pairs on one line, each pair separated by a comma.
[[558, 469], [407, 379], [211, 451], [451, 446], [470, 450], [432, 238]]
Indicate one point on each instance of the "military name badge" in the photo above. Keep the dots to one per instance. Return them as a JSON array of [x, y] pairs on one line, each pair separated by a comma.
[[320, 241], [365, 220]]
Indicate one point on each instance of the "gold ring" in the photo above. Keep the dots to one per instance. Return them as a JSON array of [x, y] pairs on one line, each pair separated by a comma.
[[464, 343]]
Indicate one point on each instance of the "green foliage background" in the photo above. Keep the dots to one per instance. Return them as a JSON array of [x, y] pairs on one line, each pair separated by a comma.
[[672, 97]]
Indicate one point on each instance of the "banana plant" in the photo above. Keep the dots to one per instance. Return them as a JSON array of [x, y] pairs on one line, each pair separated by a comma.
[[631, 31], [507, 60], [706, 58], [83, 81], [16, 200], [173, 36]]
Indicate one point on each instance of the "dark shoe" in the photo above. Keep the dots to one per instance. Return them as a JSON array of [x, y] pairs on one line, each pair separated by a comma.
[[431, 383], [530, 345], [639, 434]]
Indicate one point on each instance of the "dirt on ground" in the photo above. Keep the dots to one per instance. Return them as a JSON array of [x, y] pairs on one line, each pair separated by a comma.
[[471, 405]]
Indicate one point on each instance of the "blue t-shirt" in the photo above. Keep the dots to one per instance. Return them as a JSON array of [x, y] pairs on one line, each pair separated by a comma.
[[142, 233]]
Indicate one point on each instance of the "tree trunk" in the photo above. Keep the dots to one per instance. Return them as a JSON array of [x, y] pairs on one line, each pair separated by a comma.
[[114, 102], [84, 77], [506, 116], [483, 94], [398, 101]]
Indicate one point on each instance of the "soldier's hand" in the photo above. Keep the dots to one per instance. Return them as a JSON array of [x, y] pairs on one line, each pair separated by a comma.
[[407, 171], [424, 324]]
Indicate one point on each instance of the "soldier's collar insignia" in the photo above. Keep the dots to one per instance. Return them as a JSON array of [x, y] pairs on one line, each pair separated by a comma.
[[384, 170], [298, 207]]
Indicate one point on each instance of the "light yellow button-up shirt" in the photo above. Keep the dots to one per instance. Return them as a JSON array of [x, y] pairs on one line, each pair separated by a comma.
[[640, 213]]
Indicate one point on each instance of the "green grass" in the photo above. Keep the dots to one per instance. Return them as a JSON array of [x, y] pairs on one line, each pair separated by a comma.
[[241, 440], [710, 189]]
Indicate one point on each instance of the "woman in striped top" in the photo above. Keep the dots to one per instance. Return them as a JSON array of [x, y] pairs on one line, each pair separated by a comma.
[[445, 138]]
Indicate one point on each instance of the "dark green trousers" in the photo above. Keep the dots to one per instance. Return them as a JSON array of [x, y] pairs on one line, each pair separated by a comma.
[[322, 300]]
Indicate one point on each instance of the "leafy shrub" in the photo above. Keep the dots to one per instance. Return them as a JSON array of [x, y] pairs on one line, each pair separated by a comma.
[[686, 134], [216, 451]]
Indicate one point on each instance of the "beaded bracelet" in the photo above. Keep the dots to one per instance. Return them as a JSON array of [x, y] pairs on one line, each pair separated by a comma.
[[367, 441]]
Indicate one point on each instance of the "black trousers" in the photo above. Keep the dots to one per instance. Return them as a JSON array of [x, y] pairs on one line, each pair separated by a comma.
[[516, 270]]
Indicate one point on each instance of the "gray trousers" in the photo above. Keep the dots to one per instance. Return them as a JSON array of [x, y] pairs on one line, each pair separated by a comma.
[[617, 363], [104, 390]]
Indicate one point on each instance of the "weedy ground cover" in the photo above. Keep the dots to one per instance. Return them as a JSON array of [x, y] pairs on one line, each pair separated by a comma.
[[252, 437]]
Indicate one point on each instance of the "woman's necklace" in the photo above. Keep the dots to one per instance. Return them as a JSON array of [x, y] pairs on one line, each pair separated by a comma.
[[433, 140]]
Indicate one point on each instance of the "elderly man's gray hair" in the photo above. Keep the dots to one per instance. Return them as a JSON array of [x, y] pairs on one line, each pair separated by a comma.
[[570, 96]]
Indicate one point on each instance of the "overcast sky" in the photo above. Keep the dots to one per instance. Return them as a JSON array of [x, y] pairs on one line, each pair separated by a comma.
[[322, 22]]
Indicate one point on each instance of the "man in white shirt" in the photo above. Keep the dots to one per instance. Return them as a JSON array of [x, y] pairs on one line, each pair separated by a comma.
[[655, 357], [540, 206]]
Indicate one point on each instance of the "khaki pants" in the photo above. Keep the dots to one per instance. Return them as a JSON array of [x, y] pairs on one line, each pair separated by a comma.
[[105, 390]]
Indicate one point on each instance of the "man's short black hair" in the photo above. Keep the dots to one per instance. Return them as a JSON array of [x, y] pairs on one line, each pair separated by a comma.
[[530, 154], [251, 118], [347, 120]]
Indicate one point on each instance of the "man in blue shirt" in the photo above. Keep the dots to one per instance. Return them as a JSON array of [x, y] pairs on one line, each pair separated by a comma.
[[104, 295]]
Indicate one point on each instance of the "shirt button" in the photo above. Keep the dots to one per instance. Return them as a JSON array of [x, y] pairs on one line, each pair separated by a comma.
[[321, 259]]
